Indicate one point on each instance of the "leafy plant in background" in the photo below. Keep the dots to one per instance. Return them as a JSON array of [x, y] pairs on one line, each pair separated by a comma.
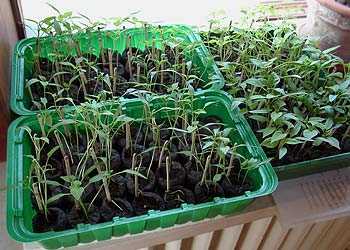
[[289, 91], [74, 57]]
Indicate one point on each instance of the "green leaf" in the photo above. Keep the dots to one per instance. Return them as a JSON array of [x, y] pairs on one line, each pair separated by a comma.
[[332, 97], [57, 27], [191, 129], [76, 192], [259, 118], [267, 143], [107, 80], [333, 142], [270, 96], [259, 111], [275, 115], [345, 84], [329, 123], [309, 134], [69, 179], [56, 197], [318, 141], [50, 182], [98, 177], [226, 132], [187, 153], [294, 131], [63, 122], [68, 64], [31, 81], [292, 141], [76, 183], [282, 152], [224, 149], [217, 178], [208, 144], [267, 131], [329, 50], [277, 136], [43, 100], [133, 172], [258, 63], [124, 118]]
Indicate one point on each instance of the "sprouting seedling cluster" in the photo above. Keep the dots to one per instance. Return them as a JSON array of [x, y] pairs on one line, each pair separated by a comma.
[[98, 162], [286, 87], [74, 64]]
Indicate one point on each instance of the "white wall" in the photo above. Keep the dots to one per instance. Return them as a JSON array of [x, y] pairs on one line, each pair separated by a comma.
[[195, 12]]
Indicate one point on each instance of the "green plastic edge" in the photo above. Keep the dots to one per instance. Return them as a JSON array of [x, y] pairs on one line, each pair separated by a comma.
[[323, 164], [137, 224], [17, 77]]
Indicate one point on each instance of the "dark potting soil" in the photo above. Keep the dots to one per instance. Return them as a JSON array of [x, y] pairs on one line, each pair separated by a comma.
[[117, 187], [185, 177], [178, 195], [144, 185], [92, 83], [77, 215], [177, 175], [56, 220], [234, 185], [116, 208], [194, 174], [147, 201], [207, 191]]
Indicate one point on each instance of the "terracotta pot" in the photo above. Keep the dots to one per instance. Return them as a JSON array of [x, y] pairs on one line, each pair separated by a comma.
[[332, 28]]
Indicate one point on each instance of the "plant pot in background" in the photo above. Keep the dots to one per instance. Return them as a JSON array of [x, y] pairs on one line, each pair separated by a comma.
[[332, 28]]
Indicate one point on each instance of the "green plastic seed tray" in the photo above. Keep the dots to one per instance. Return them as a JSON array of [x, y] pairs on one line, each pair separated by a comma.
[[19, 207], [323, 164], [196, 55]]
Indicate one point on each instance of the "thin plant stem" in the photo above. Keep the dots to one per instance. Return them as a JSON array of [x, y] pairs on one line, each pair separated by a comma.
[[77, 48], [67, 165], [37, 42], [153, 48], [129, 64], [37, 197], [61, 114], [59, 141], [124, 34], [37, 151], [57, 70], [154, 131], [167, 166], [138, 72], [207, 163], [231, 160], [127, 136], [101, 46], [104, 180], [162, 71], [136, 179], [114, 87], [41, 123], [193, 140], [110, 61]]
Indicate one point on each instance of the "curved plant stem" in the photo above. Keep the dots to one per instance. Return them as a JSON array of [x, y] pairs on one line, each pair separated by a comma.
[[162, 153]]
